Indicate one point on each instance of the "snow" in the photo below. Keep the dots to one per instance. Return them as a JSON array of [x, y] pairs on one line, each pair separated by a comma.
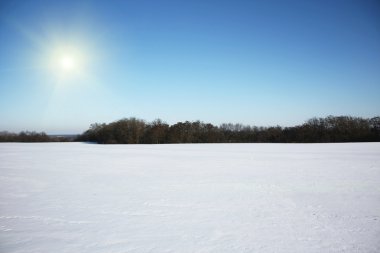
[[76, 197]]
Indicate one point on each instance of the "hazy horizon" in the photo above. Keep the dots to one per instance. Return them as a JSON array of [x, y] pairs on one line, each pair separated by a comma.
[[65, 65]]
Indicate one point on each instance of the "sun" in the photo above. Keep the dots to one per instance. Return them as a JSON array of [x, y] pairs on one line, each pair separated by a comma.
[[67, 63]]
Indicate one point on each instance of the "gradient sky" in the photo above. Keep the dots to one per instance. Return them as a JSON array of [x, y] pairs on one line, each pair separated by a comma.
[[252, 62]]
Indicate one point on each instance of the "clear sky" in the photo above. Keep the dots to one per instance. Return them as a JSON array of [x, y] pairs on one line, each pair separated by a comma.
[[67, 64]]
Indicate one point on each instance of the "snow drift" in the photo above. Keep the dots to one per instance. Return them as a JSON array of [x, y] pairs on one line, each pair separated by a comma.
[[74, 197]]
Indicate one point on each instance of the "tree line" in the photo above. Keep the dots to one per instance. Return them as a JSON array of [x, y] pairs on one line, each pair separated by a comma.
[[315, 130], [31, 136]]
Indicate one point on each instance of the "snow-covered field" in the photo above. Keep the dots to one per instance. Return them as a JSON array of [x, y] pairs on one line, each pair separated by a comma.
[[74, 197]]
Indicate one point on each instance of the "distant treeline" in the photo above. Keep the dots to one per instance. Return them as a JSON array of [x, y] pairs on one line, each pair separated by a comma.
[[329, 129], [27, 136]]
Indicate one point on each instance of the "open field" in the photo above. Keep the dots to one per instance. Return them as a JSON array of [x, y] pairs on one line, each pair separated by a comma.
[[74, 197]]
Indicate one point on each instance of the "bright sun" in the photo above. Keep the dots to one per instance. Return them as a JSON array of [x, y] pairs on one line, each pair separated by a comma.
[[67, 63]]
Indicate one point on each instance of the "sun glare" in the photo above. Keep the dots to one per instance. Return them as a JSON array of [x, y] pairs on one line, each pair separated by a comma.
[[67, 63]]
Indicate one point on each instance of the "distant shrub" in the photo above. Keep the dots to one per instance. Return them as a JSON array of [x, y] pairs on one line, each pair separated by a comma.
[[27, 136], [329, 129]]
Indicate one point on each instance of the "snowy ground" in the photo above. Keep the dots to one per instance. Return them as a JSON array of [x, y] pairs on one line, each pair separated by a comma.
[[73, 197]]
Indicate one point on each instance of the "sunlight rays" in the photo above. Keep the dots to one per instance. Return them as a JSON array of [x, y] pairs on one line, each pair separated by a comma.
[[67, 63]]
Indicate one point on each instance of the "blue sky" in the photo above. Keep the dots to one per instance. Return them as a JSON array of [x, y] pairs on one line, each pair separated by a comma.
[[252, 62]]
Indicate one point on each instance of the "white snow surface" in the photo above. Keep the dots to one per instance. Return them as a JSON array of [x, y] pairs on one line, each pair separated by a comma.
[[77, 197]]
